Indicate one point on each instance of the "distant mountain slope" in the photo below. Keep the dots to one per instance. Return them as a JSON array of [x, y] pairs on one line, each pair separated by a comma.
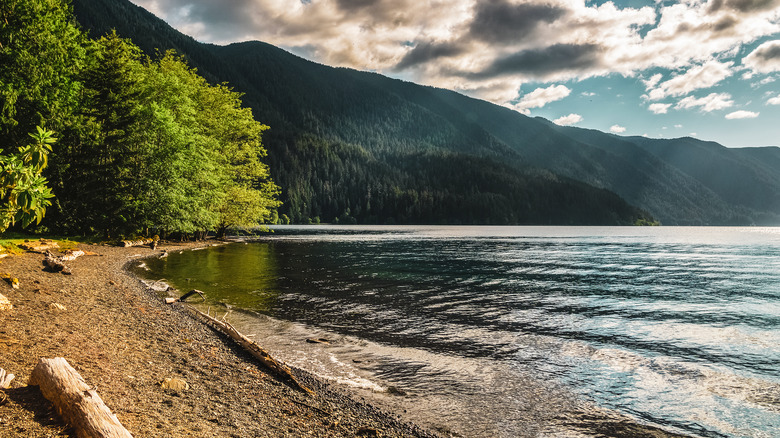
[[341, 138]]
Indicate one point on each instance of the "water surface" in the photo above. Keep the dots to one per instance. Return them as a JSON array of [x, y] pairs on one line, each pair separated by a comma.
[[519, 331]]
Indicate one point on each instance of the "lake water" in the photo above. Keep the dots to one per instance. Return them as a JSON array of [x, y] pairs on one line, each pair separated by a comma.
[[518, 331]]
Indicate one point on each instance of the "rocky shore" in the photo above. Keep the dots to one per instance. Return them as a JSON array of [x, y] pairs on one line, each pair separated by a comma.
[[124, 341]]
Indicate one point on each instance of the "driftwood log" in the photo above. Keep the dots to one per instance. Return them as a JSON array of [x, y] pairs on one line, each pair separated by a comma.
[[191, 293], [39, 246], [278, 368], [71, 255], [55, 264], [129, 243], [77, 403]]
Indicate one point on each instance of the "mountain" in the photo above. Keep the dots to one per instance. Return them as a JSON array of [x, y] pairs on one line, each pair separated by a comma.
[[357, 146]]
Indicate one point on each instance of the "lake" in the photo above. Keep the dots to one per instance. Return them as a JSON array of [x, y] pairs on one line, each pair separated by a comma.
[[517, 331]]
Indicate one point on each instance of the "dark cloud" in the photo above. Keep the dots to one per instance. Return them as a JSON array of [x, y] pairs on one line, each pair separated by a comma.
[[542, 62], [425, 52], [222, 19], [351, 5], [496, 21], [742, 5], [768, 52], [726, 23]]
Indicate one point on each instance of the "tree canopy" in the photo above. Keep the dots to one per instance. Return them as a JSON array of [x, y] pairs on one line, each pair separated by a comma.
[[146, 144]]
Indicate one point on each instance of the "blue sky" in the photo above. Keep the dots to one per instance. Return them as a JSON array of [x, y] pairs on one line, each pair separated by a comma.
[[703, 68]]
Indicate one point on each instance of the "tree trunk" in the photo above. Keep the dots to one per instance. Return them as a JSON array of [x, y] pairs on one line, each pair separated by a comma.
[[78, 404]]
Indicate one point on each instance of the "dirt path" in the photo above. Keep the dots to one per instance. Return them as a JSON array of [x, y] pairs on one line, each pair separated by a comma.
[[124, 341]]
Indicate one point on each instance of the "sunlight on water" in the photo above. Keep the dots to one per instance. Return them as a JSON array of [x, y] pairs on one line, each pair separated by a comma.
[[519, 331]]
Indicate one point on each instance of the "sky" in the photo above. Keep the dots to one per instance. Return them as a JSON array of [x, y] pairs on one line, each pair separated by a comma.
[[709, 69]]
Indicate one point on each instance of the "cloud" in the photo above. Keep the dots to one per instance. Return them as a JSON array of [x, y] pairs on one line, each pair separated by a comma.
[[541, 97], [702, 76], [741, 5], [742, 115], [659, 108], [571, 119], [774, 101], [712, 102], [544, 62], [499, 21], [488, 48], [427, 52], [617, 129], [765, 59]]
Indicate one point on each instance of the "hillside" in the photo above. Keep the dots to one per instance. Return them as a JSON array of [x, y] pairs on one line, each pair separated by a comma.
[[355, 146]]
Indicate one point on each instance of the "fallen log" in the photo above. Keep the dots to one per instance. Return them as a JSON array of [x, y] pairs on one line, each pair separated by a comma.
[[54, 264], [278, 368], [77, 403], [129, 243], [41, 245], [191, 293], [72, 255]]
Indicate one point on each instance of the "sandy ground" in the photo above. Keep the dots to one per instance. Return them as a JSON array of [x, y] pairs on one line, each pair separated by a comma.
[[124, 342]]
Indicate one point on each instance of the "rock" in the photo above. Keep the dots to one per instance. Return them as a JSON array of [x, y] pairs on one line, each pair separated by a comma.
[[13, 281], [5, 304], [366, 431], [175, 384], [57, 307], [394, 390]]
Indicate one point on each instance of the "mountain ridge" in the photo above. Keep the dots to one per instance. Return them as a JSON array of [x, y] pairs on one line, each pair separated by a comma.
[[390, 119]]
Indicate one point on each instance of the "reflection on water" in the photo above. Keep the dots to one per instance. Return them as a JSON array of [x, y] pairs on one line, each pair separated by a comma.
[[520, 331]]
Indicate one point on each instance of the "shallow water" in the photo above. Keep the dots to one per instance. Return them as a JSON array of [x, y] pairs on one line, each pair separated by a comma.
[[519, 331]]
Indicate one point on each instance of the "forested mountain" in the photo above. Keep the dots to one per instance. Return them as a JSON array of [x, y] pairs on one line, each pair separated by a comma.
[[356, 146]]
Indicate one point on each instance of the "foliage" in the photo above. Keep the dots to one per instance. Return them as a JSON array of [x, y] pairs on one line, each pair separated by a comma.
[[144, 144], [24, 195], [40, 50]]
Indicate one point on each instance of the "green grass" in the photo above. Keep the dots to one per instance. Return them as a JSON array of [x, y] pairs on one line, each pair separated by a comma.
[[10, 241]]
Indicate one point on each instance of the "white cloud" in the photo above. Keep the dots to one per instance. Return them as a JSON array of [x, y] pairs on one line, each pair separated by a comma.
[[488, 48], [774, 101], [712, 102], [659, 108], [765, 59], [617, 129], [702, 76], [653, 81], [541, 97], [571, 119], [742, 115], [678, 126]]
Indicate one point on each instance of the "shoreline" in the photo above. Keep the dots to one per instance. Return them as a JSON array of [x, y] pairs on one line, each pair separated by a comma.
[[124, 340]]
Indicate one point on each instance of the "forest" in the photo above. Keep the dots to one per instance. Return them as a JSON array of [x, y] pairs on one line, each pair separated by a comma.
[[374, 127], [104, 140], [135, 141]]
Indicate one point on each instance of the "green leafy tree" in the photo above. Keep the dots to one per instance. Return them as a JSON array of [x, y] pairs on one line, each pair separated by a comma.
[[210, 157], [24, 194], [40, 53]]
